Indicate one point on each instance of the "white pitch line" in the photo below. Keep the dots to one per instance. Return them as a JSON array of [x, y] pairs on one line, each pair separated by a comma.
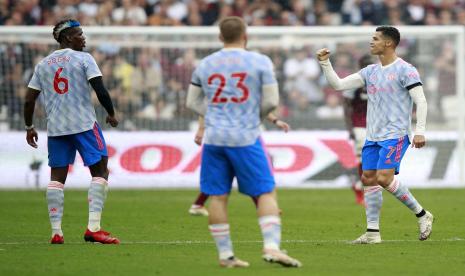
[[187, 242]]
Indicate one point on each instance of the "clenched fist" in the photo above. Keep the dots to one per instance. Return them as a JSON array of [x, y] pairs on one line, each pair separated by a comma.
[[419, 141], [323, 54]]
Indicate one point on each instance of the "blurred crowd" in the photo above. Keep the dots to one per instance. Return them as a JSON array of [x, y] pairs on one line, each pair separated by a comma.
[[148, 84], [256, 12]]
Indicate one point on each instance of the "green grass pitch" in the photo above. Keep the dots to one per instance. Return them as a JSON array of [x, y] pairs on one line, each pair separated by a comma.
[[159, 237]]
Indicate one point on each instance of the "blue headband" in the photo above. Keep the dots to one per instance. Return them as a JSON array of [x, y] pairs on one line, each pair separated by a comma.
[[64, 26]]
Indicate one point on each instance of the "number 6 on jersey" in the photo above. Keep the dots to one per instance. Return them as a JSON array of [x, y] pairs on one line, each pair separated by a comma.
[[57, 80]]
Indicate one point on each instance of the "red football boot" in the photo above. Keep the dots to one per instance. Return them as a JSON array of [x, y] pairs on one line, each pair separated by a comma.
[[57, 239], [100, 236]]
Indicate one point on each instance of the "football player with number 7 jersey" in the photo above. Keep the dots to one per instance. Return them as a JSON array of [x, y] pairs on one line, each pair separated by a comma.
[[392, 86], [234, 89], [63, 78]]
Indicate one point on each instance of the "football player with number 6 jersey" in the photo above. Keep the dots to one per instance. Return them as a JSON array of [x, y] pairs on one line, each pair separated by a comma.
[[64, 80]]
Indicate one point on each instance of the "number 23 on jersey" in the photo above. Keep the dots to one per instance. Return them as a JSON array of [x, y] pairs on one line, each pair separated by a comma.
[[217, 98]]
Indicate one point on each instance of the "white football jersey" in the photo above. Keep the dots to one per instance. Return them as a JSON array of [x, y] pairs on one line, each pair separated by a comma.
[[232, 81], [389, 114], [63, 79]]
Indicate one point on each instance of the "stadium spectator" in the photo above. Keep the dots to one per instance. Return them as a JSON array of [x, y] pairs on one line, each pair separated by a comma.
[[395, 17], [460, 16], [10, 87], [89, 8], [146, 79], [431, 19], [158, 109], [193, 18], [175, 94], [239, 7], [103, 16], [332, 109], [129, 13], [302, 73], [416, 12], [64, 8], [372, 12], [445, 92], [446, 17]]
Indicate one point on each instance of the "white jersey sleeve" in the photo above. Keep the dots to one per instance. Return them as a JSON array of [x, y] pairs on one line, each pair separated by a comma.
[[34, 83], [352, 81], [90, 67]]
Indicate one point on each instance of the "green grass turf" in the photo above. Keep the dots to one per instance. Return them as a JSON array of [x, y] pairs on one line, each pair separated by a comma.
[[315, 225]]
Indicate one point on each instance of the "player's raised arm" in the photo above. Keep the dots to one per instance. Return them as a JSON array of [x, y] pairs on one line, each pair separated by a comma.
[[105, 100], [29, 106], [350, 82], [418, 97]]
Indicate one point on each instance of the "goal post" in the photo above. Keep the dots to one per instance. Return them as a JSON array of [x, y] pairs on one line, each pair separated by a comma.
[[147, 70]]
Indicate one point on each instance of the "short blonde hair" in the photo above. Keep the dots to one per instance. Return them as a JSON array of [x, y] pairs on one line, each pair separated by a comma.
[[232, 28]]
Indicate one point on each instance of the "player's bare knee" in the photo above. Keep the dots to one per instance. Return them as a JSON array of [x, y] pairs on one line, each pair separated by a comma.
[[220, 198], [383, 180], [368, 180], [266, 195]]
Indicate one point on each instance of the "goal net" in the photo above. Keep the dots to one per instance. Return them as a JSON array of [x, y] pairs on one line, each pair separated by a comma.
[[147, 71]]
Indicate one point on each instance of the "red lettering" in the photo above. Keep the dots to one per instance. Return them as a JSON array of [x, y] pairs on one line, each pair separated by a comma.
[[344, 151], [170, 158], [303, 157], [194, 164]]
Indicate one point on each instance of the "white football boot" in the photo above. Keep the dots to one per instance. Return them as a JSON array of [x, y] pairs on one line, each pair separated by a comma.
[[233, 262], [368, 238], [198, 210], [425, 225], [280, 257]]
